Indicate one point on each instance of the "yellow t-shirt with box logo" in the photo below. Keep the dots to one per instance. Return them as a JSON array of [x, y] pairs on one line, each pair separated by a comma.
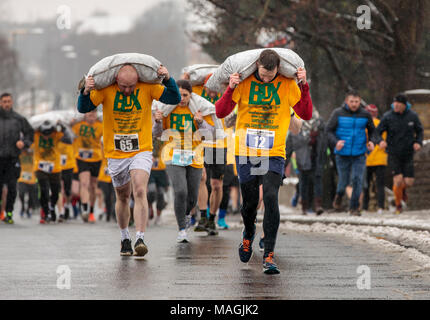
[[47, 157], [184, 147], [88, 146], [127, 120], [201, 91], [67, 151], [103, 173], [157, 161], [263, 116], [27, 166]]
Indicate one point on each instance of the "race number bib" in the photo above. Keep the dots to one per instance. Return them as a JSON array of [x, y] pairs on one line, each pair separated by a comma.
[[85, 153], [126, 143], [260, 139], [46, 166], [182, 157], [63, 159], [26, 176]]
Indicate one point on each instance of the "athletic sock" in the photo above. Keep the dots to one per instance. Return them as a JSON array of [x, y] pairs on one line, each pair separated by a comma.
[[212, 217], [139, 235], [203, 213], [92, 209], [221, 213], [125, 234], [84, 207], [398, 195]]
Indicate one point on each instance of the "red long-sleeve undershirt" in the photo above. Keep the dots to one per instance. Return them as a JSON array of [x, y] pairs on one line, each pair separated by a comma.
[[225, 105]]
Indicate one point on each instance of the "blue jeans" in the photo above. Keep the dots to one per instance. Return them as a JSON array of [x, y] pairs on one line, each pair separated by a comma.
[[351, 168]]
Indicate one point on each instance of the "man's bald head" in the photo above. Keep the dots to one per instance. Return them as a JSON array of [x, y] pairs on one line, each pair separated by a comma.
[[127, 79]]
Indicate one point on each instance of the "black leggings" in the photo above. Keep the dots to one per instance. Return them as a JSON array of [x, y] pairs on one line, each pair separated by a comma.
[[48, 182], [379, 171], [31, 190], [250, 193], [109, 198]]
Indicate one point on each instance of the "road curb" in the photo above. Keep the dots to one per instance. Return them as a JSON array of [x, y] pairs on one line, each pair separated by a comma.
[[359, 221]]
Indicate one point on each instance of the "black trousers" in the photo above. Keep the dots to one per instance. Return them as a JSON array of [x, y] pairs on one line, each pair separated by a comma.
[[379, 172], [10, 170], [48, 182], [250, 193]]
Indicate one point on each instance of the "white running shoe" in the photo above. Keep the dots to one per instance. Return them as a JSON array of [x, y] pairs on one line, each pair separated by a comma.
[[157, 220], [380, 211], [182, 237]]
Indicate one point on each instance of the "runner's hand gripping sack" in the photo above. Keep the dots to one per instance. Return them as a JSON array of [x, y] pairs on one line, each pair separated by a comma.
[[199, 72], [244, 63]]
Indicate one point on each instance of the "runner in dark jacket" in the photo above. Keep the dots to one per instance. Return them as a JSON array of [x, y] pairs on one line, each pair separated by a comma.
[[16, 134], [404, 137]]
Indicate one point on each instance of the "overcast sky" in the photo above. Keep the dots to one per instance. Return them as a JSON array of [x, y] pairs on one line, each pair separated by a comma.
[[31, 10]]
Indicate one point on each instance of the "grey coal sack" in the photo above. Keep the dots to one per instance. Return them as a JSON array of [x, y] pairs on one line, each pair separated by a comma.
[[105, 71], [244, 63], [199, 72]]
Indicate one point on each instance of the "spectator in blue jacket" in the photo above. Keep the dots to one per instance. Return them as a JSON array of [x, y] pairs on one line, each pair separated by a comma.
[[346, 132]]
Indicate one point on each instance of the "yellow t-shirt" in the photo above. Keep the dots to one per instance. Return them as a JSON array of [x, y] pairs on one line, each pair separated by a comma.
[[27, 166], [157, 162], [184, 147], [47, 157], [201, 91], [127, 121], [263, 116], [68, 160], [88, 146], [103, 173], [378, 157]]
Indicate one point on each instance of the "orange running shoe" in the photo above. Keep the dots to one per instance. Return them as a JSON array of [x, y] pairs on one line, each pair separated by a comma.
[[91, 218]]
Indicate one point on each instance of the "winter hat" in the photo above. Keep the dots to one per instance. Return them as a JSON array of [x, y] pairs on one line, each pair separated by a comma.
[[401, 98], [372, 109]]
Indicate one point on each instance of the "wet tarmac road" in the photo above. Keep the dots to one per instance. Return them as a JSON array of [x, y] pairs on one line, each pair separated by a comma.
[[313, 266]]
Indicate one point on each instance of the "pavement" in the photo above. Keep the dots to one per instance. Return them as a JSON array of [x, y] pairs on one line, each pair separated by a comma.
[[81, 261]]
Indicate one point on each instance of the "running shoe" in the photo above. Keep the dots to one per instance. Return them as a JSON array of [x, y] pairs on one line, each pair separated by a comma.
[[52, 217], [202, 225], [126, 249], [295, 200], [211, 228], [245, 247], [261, 244], [182, 237], [8, 219], [91, 218], [42, 217], [222, 224], [61, 218], [2, 216], [355, 212], [66, 213], [85, 216], [140, 248], [193, 220], [399, 210], [269, 266]]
